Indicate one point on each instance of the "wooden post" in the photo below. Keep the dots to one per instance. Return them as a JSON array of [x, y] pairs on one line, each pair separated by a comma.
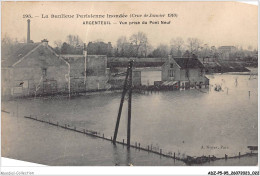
[[123, 141], [103, 136], [148, 148], [226, 157], [129, 104], [160, 151], [174, 155], [239, 154], [121, 106]]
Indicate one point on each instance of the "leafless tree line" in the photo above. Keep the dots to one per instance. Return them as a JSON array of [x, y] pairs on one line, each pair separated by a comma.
[[137, 45]]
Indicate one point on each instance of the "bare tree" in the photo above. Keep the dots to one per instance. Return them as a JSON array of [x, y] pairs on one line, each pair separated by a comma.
[[74, 40], [6, 40], [206, 52], [194, 45], [140, 42], [161, 51], [177, 46], [121, 41], [7, 45]]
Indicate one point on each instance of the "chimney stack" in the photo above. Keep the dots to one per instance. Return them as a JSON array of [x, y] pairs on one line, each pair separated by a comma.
[[28, 31]]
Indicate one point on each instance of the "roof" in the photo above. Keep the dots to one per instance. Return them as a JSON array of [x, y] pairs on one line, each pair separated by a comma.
[[188, 63], [226, 47], [18, 51]]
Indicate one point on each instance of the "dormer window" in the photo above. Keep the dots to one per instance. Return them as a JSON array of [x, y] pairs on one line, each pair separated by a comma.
[[171, 65]]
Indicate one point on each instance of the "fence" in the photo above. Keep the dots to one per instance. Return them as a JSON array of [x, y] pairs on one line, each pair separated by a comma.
[[188, 160]]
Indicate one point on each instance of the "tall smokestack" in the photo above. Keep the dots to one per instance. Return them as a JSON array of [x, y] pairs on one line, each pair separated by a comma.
[[28, 31]]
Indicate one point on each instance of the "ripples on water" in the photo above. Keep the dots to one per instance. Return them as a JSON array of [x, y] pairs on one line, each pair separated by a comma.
[[187, 122]]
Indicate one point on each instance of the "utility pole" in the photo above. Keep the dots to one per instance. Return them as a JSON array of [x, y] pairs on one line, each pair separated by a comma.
[[127, 86], [130, 85]]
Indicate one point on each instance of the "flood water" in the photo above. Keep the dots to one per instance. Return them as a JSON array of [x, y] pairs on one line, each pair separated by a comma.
[[189, 122]]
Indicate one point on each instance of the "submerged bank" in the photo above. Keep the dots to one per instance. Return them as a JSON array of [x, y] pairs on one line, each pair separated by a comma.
[[88, 151]]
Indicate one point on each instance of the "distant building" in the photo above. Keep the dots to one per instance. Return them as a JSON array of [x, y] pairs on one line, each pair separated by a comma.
[[33, 69], [225, 51], [87, 72], [184, 72]]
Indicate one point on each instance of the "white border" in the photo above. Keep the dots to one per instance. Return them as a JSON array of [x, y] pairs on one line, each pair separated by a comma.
[[15, 167]]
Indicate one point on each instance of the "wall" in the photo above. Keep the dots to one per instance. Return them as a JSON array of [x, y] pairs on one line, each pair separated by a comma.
[[28, 74], [166, 68], [96, 65], [6, 83], [96, 73]]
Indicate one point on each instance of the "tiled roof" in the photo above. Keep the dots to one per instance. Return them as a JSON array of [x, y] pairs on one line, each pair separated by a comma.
[[18, 51], [188, 63]]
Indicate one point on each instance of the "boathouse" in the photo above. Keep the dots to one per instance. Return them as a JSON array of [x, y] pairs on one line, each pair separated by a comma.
[[184, 72]]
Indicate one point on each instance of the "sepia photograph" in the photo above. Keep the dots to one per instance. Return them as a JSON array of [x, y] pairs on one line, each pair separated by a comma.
[[130, 83]]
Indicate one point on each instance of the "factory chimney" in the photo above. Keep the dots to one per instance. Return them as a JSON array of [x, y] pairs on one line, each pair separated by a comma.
[[28, 31]]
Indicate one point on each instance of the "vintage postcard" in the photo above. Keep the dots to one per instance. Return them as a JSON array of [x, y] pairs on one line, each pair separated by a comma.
[[130, 83]]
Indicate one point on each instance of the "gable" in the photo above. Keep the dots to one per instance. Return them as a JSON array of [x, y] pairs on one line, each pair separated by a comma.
[[168, 63], [42, 56]]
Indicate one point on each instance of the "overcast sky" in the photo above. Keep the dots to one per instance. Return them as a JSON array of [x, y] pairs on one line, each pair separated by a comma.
[[215, 23]]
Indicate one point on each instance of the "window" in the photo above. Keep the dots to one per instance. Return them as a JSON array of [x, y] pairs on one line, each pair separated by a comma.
[[171, 65], [171, 73], [44, 71]]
